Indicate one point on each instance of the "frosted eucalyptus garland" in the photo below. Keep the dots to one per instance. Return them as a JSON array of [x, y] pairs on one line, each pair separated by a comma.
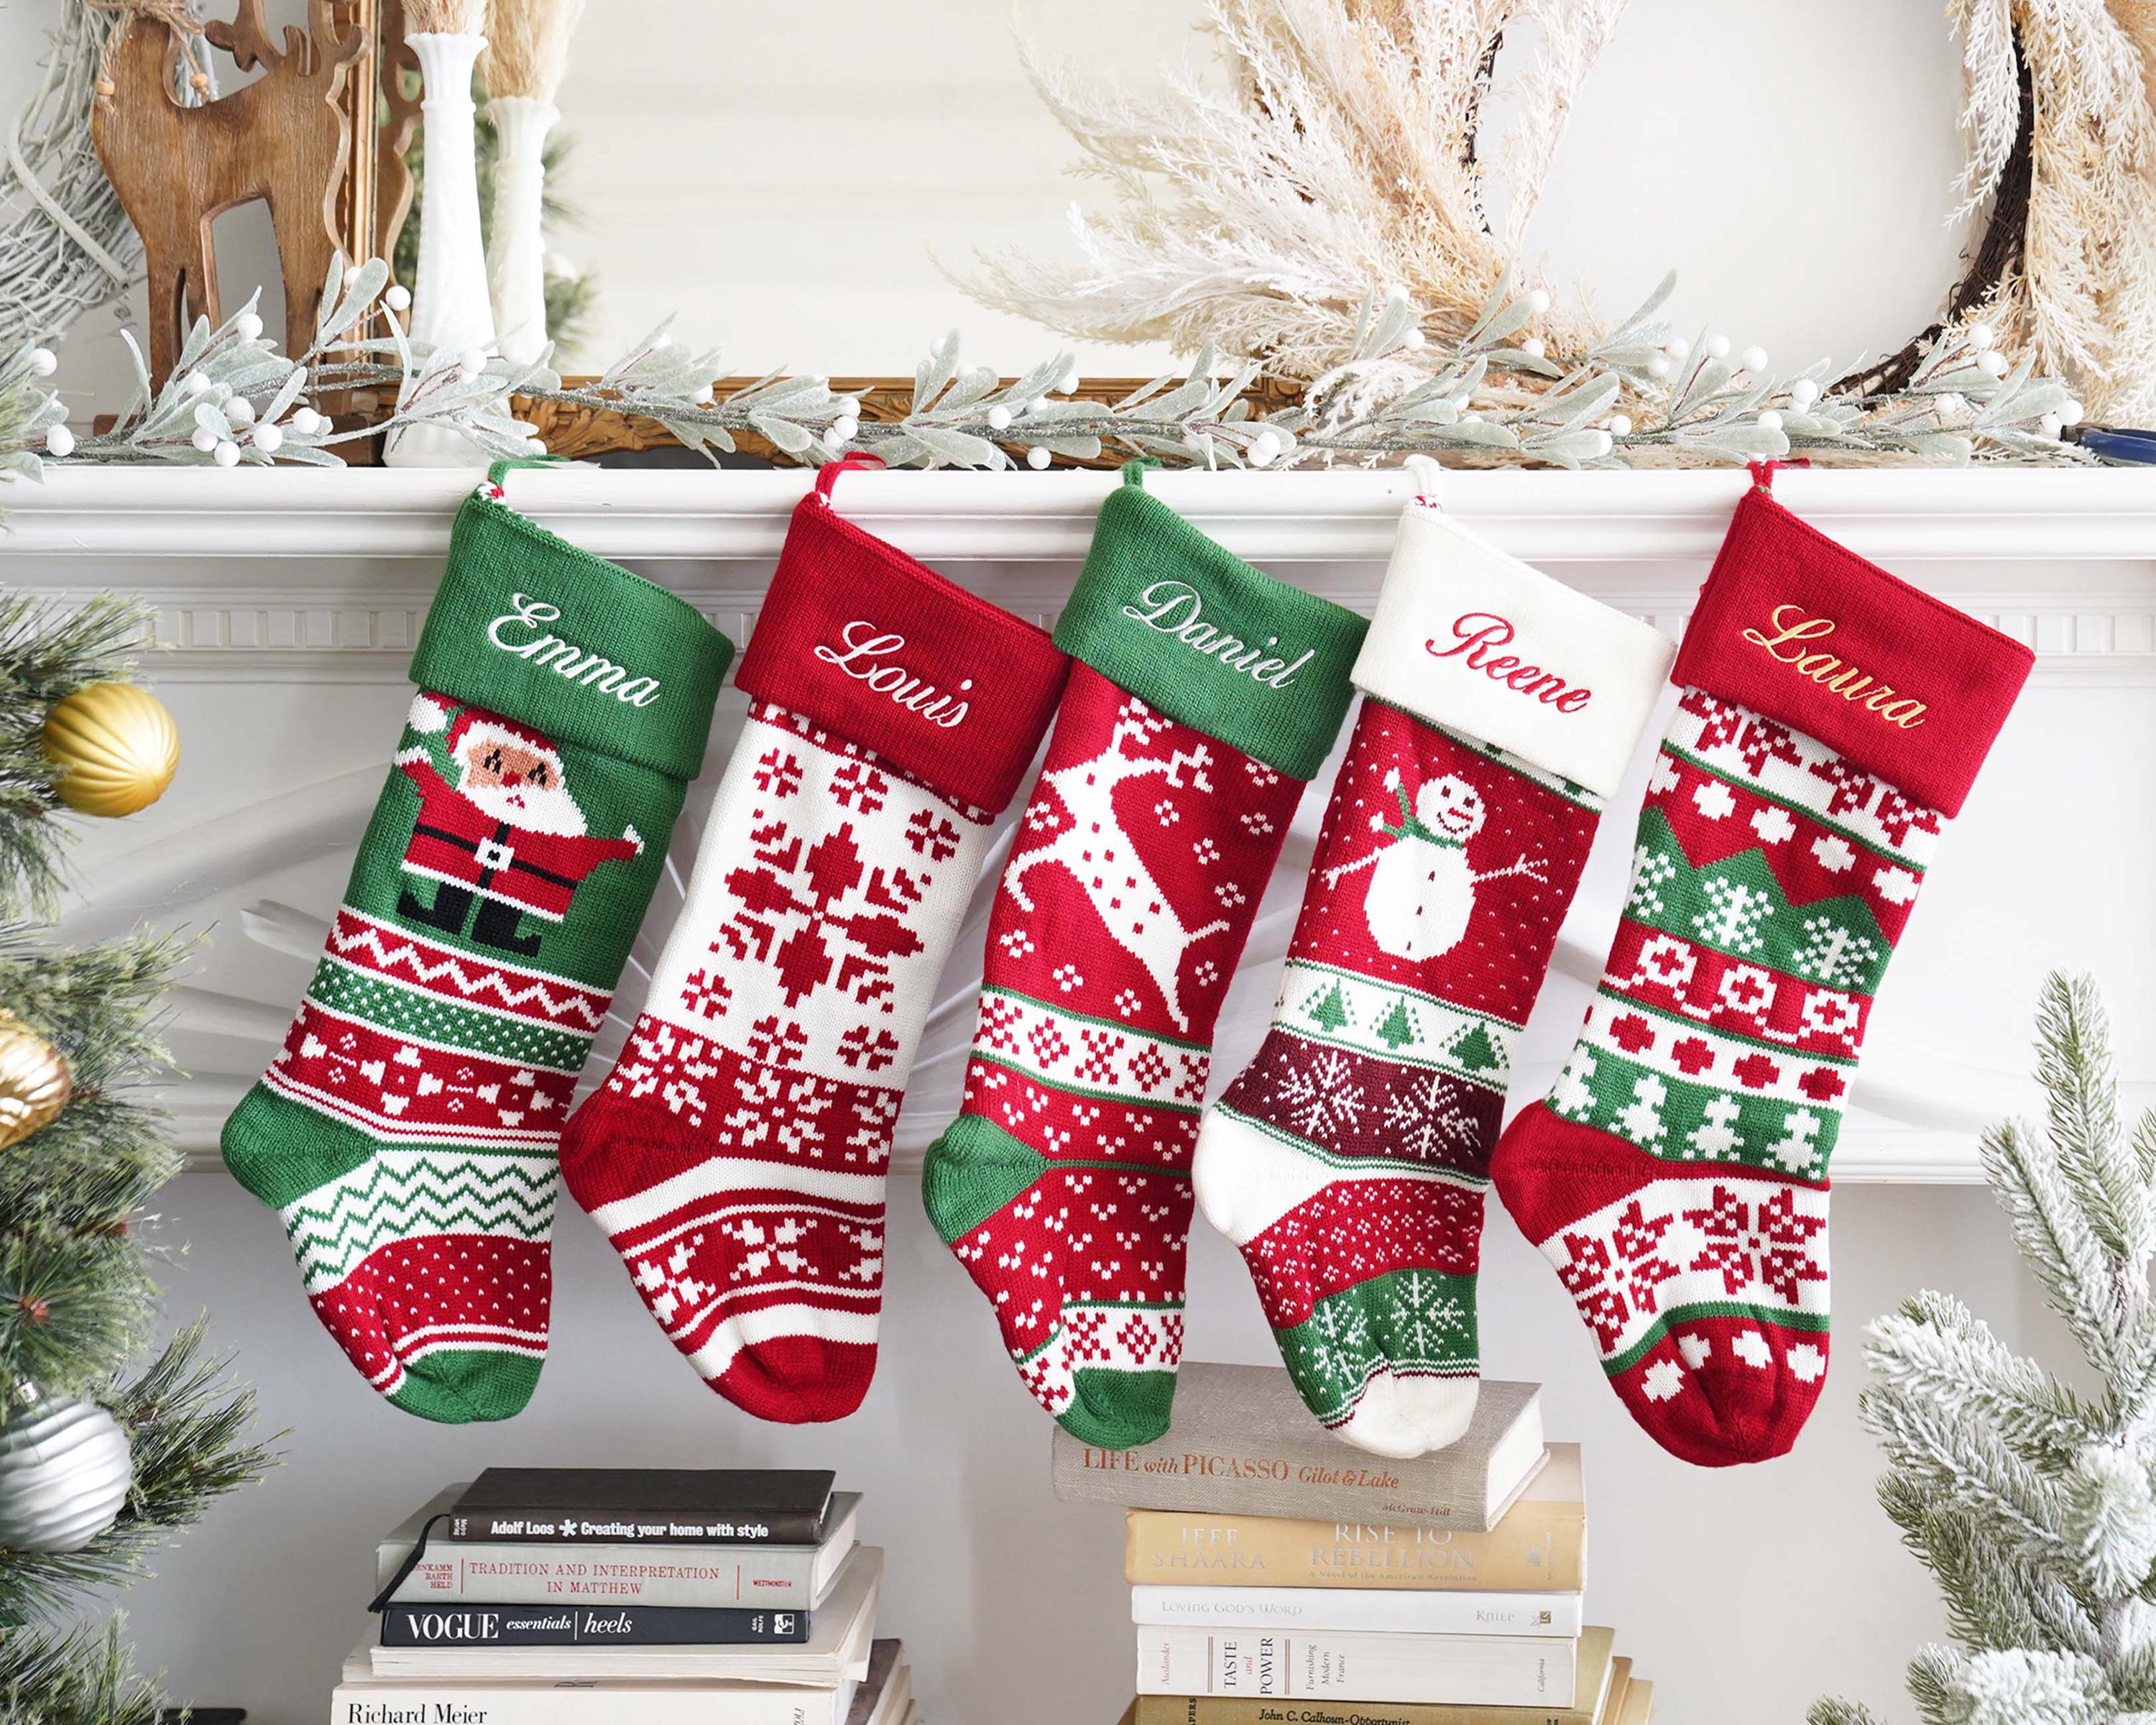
[[234, 399]]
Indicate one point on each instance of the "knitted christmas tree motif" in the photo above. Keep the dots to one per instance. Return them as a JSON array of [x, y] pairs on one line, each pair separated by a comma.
[[406, 1131], [1352, 1153]]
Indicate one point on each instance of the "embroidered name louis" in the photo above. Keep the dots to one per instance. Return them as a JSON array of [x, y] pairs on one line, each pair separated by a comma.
[[1850, 682], [863, 661], [566, 658], [1477, 633], [1173, 608]]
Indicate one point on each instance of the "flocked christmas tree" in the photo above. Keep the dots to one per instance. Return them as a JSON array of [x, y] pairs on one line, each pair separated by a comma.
[[108, 1443], [2032, 1501]]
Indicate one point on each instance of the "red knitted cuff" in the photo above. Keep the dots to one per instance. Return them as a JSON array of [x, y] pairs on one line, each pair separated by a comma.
[[859, 637], [1805, 631]]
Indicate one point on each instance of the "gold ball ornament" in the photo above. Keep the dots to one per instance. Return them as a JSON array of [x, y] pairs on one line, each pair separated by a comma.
[[34, 1080], [119, 745]]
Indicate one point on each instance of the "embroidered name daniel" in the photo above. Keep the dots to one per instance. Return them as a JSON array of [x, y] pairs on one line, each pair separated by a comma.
[[566, 658], [863, 660], [1174, 607], [1850, 682]]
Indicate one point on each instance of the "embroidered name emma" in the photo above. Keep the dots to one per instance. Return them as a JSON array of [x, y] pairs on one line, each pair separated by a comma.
[[565, 658], [1477, 632], [1174, 609], [863, 661], [1845, 679]]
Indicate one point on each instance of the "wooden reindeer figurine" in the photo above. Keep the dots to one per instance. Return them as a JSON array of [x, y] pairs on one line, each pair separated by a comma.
[[283, 138]]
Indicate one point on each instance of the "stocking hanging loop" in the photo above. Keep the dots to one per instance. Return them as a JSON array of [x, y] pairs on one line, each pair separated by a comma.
[[827, 475]]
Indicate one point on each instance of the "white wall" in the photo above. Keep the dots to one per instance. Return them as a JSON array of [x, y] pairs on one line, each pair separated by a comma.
[[780, 174]]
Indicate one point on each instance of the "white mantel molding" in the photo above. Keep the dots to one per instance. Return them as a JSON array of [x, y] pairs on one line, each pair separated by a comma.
[[1896, 515]]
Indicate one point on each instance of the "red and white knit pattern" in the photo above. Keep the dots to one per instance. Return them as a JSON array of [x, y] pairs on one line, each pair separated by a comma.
[[737, 1156]]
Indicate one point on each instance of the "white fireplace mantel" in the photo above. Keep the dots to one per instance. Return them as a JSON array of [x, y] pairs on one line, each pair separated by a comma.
[[289, 600]]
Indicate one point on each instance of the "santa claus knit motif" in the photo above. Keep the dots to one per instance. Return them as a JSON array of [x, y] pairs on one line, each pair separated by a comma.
[[406, 1131], [1349, 1160], [1677, 1173], [736, 1155]]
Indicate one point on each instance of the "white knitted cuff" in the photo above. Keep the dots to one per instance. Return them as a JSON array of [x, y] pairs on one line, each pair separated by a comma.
[[1470, 638]]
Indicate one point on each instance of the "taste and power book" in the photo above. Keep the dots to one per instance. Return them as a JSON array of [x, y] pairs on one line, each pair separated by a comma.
[[1490, 1670], [792, 1577]]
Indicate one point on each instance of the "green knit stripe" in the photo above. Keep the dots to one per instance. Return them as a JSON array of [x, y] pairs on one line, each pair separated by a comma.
[[1411, 1323], [1387, 1021], [1192, 630], [428, 1017], [529, 626], [1737, 906], [1680, 1122], [1781, 1317]]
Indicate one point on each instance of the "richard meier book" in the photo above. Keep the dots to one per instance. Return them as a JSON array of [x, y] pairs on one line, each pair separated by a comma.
[[792, 1577], [1593, 1672], [622, 1506], [1242, 1443], [1493, 1670], [1540, 1546]]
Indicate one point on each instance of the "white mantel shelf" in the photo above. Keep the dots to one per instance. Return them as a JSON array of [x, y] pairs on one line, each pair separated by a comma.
[[1896, 515], [273, 588]]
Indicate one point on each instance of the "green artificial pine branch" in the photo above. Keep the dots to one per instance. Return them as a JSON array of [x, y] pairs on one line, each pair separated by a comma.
[[2034, 1506], [78, 1303]]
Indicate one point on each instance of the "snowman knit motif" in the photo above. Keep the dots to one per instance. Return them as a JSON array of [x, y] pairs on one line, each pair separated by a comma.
[[1832, 720], [1349, 1161], [406, 1131], [736, 1155], [1206, 693]]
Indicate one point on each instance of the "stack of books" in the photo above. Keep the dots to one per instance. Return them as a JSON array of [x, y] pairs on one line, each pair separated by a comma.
[[587, 1596], [1268, 1562]]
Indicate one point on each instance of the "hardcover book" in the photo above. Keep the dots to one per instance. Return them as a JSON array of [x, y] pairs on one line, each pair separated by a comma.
[[1242, 1443], [1593, 1672], [622, 1505], [1488, 1671], [780, 1576], [1540, 1546], [836, 1649], [476, 1624], [1423, 1612]]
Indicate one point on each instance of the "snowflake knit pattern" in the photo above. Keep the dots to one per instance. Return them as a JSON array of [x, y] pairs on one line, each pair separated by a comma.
[[1206, 694], [406, 1131], [1348, 1162], [736, 1155], [1832, 721]]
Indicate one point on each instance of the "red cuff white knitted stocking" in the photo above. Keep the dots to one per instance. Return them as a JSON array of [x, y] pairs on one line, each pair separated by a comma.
[[737, 1156]]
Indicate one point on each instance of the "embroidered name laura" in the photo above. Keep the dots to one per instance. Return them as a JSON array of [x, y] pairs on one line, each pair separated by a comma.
[[864, 660], [1475, 636], [1174, 607], [1850, 682], [565, 658]]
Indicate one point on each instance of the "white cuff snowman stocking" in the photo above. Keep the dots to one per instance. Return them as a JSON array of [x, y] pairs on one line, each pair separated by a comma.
[[1349, 1160]]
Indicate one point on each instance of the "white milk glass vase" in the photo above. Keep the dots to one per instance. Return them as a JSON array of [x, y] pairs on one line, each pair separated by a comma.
[[516, 261], [451, 310]]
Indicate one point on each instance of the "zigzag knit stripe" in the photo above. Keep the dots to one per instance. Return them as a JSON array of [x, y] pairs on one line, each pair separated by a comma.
[[397, 1195], [359, 940]]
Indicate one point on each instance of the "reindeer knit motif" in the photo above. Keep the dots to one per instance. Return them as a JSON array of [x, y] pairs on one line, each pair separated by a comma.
[[1064, 1188]]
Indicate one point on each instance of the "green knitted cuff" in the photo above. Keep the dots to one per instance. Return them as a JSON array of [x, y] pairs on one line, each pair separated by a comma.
[[1190, 628], [529, 626]]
